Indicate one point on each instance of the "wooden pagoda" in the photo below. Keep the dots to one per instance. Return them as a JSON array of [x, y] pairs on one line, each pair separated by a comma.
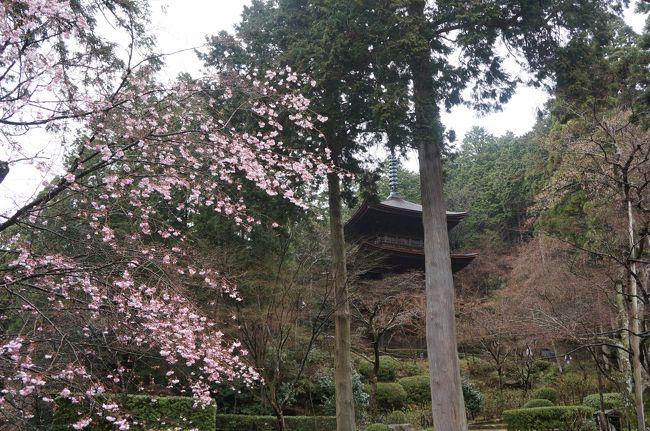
[[393, 230]]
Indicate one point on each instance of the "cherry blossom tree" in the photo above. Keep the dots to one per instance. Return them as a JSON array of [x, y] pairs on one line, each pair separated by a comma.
[[96, 271]]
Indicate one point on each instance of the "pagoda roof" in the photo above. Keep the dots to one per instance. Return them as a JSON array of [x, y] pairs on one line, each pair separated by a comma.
[[396, 205], [405, 258]]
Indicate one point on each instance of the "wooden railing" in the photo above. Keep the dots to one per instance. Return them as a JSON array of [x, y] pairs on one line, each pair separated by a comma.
[[399, 242]]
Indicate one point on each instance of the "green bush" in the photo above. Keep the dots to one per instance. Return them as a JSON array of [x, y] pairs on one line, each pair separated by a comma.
[[418, 391], [612, 400], [420, 417], [539, 365], [546, 394], [325, 393], [478, 367], [538, 402], [495, 401], [573, 387], [473, 399], [396, 417], [390, 396], [387, 368], [147, 411], [377, 427], [417, 388], [269, 423], [408, 369], [565, 418]]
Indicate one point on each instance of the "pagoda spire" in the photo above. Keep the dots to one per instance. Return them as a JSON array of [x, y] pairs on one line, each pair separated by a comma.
[[392, 177]]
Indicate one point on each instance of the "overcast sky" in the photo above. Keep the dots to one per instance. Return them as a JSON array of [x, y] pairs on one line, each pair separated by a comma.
[[182, 25]]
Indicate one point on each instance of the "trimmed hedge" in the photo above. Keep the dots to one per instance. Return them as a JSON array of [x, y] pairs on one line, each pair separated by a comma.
[[149, 412], [565, 418], [538, 402], [269, 423], [390, 396], [417, 388], [387, 368], [612, 400], [546, 394]]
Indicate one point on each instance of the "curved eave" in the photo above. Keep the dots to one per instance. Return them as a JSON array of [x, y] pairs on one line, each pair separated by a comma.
[[398, 207], [458, 260]]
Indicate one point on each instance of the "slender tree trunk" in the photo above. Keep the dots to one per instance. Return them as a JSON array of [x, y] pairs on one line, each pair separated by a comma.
[[634, 328], [602, 419], [623, 322], [343, 360], [447, 405], [558, 359], [374, 406]]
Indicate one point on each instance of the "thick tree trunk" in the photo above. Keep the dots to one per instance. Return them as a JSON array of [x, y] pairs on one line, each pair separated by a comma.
[[446, 390], [343, 360], [447, 404]]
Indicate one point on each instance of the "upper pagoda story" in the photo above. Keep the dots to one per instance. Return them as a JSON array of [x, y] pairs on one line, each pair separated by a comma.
[[394, 229]]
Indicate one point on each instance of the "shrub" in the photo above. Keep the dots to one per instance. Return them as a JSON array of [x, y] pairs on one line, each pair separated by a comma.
[[420, 417], [418, 391], [417, 388], [396, 417], [573, 387], [269, 423], [408, 369], [378, 427], [566, 418], [325, 393], [612, 400], [478, 367], [473, 399], [495, 402], [390, 396], [539, 365], [538, 402], [148, 411], [546, 394], [387, 368]]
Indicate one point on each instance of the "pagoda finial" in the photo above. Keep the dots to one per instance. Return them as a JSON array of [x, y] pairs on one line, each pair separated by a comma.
[[392, 176]]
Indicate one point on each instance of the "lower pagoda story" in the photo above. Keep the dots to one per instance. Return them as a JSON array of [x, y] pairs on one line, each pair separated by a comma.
[[392, 230]]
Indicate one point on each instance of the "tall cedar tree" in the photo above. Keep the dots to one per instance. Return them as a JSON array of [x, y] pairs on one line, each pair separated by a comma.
[[327, 40], [363, 55], [473, 32]]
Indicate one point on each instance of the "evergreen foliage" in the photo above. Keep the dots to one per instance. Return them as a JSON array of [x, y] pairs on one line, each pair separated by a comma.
[[567, 418], [269, 423], [388, 367], [538, 402], [396, 417], [147, 412], [473, 399], [417, 388], [546, 394], [612, 400], [325, 393], [495, 179], [390, 396]]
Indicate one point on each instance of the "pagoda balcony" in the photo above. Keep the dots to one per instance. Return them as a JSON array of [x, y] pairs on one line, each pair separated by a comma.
[[411, 245]]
